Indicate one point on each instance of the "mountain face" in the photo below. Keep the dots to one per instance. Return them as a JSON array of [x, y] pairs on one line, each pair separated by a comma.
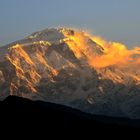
[[58, 65]]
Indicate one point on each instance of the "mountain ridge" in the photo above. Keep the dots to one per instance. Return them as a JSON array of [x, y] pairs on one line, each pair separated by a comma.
[[55, 115]]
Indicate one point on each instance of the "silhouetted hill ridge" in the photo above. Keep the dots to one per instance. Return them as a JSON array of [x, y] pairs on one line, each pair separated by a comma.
[[19, 111]]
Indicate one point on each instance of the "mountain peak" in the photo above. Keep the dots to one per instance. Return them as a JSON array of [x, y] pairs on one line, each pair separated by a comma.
[[52, 34], [74, 68]]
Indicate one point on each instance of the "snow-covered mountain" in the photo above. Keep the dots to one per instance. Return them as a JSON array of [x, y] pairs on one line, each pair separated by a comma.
[[55, 65]]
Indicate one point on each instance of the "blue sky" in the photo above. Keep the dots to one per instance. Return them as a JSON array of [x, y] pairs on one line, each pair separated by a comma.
[[116, 20]]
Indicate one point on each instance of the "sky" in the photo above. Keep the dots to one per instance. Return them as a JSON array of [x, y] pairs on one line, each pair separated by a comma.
[[114, 20]]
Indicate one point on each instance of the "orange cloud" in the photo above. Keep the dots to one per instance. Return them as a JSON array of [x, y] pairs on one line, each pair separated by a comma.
[[114, 53]]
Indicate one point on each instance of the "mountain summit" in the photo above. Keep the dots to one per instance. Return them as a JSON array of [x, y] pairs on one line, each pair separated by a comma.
[[73, 68]]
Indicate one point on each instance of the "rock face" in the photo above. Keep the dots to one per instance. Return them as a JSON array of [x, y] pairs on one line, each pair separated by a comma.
[[52, 65]]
